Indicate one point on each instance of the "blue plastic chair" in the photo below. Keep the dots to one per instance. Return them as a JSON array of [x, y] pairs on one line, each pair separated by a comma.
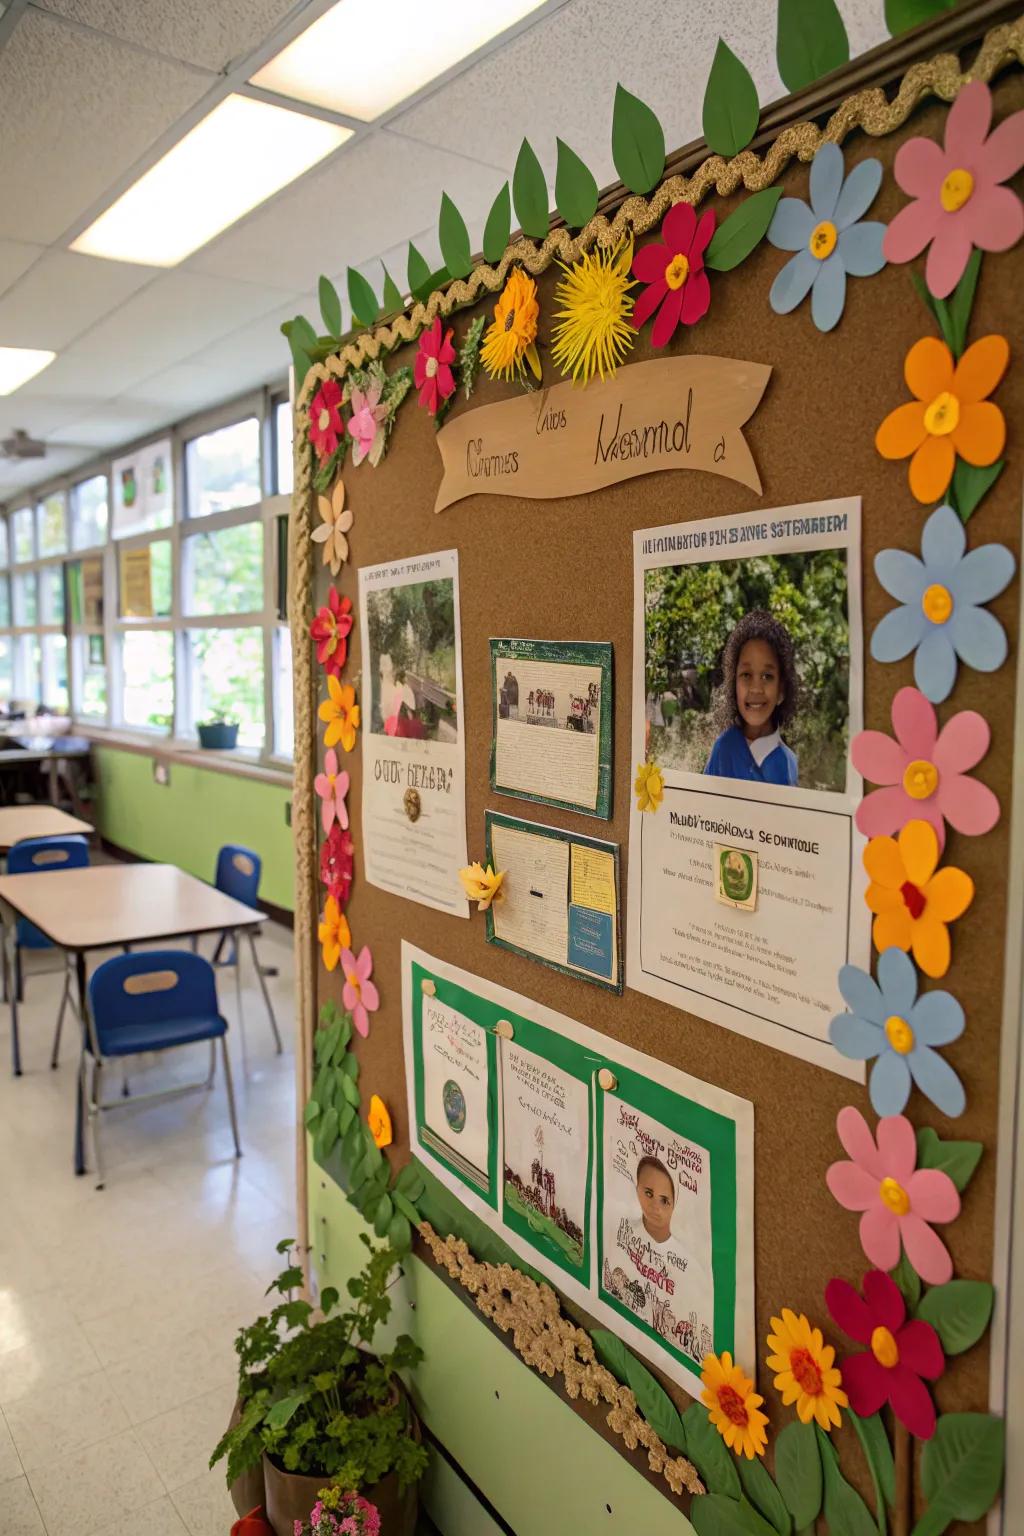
[[36, 856], [153, 1000], [238, 876]]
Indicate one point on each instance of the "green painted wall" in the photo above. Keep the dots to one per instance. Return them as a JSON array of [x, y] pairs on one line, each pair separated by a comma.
[[186, 821]]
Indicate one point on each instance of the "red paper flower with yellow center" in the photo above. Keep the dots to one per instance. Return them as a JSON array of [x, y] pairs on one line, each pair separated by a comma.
[[432, 371], [678, 286], [807, 1374], [733, 1406], [330, 631], [325, 425]]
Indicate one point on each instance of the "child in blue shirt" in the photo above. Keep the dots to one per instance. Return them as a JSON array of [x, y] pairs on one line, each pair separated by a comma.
[[758, 697]]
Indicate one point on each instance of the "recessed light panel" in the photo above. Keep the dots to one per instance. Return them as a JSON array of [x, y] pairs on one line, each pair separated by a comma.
[[19, 364]]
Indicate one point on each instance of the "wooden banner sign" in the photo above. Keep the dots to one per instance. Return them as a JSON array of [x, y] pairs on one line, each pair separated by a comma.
[[670, 413]]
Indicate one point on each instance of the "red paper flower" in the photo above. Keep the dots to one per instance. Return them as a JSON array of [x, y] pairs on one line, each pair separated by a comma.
[[899, 1353], [337, 864], [331, 629], [674, 270], [432, 373], [325, 426]]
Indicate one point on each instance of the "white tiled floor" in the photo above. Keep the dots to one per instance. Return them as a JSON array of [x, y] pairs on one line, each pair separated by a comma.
[[118, 1307]]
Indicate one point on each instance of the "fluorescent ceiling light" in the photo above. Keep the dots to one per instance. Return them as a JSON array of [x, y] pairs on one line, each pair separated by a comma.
[[19, 364], [364, 56], [239, 155]]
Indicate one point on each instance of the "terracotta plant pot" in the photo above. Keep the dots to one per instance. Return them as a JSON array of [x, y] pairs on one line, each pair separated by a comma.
[[247, 1492]]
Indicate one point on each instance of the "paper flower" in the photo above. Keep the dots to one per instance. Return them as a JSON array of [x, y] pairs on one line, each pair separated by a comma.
[[807, 1375], [673, 269], [325, 428], [379, 1121], [829, 237], [592, 331], [432, 372], [924, 771], [367, 423], [958, 202], [341, 714], [482, 885], [335, 522], [941, 617], [332, 787], [359, 996], [649, 786], [330, 630], [333, 933], [511, 337], [899, 1201], [899, 1353], [337, 863], [889, 1024], [911, 899], [733, 1406], [950, 413]]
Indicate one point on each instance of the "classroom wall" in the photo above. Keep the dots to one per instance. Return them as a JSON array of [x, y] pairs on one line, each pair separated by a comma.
[[186, 821]]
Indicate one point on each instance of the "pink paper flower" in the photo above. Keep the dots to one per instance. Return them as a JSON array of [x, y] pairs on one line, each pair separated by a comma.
[[366, 424], [332, 787], [360, 996], [325, 419], [959, 202], [898, 1199], [899, 1353], [673, 269], [924, 771], [330, 630], [432, 373]]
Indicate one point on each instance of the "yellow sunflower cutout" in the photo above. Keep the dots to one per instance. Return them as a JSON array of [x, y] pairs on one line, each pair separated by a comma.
[[592, 331], [511, 338], [649, 786], [806, 1370], [733, 1406]]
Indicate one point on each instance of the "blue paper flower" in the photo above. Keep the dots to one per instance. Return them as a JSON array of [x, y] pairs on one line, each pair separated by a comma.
[[941, 614], [830, 241], [888, 1020]]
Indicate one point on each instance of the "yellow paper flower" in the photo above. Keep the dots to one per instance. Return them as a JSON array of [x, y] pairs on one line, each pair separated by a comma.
[[649, 786], [807, 1374], [511, 337], [592, 333], [733, 1406], [334, 933], [336, 520], [379, 1121], [482, 885], [341, 714]]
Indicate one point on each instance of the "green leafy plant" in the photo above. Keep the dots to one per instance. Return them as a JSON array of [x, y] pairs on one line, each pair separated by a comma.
[[469, 353]]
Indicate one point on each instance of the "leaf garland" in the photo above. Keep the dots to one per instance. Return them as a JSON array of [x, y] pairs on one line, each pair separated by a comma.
[[651, 1398], [453, 237], [393, 302], [330, 307], [498, 228], [638, 142], [741, 233], [575, 188], [362, 299], [731, 107], [530, 193], [901, 15], [709, 1454], [810, 41]]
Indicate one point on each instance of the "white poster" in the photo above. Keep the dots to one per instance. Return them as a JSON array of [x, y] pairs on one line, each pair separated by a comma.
[[545, 1139], [745, 899], [455, 1087], [414, 751]]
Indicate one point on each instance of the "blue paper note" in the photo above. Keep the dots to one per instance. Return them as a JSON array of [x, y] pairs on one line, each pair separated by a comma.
[[590, 940]]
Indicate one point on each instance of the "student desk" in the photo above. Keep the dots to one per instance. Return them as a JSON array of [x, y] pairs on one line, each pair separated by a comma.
[[108, 906], [18, 822]]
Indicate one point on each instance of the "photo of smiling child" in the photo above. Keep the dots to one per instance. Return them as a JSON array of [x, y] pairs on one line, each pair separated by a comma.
[[757, 698]]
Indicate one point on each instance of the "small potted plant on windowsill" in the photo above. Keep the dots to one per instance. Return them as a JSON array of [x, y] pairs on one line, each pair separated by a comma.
[[218, 733]]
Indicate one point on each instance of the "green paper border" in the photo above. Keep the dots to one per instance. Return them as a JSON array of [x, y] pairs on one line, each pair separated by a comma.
[[580, 653]]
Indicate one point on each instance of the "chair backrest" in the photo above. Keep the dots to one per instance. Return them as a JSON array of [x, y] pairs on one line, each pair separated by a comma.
[[36, 856], [238, 873], [150, 987]]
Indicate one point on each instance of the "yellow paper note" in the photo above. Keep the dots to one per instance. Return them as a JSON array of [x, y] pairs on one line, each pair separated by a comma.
[[593, 878]]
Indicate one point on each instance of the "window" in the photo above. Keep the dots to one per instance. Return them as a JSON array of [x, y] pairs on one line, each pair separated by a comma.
[[222, 469], [147, 670], [5, 602], [226, 679], [223, 570], [52, 525], [27, 669], [51, 594], [26, 599], [3, 541], [284, 478], [6, 669], [91, 673], [89, 512], [145, 581], [284, 714], [54, 689], [22, 535]]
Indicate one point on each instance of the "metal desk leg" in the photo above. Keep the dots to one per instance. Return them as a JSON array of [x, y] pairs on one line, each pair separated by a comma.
[[9, 942], [79, 1079]]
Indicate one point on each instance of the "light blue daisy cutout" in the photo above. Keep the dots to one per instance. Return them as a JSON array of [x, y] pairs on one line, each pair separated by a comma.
[[829, 238], [941, 618], [889, 1022]]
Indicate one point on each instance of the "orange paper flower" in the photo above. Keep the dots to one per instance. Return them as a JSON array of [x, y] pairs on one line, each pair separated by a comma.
[[341, 714], [379, 1121], [733, 1406], [807, 1374], [333, 933], [913, 900], [949, 414]]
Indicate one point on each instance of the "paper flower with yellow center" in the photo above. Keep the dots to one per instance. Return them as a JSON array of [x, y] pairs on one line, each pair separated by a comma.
[[340, 712], [807, 1374], [733, 1406], [335, 522], [592, 331], [379, 1121], [511, 338], [912, 900], [333, 933], [649, 786], [482, 885]]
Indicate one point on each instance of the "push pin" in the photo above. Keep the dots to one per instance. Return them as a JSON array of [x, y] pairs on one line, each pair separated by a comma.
[[504, 1029], [607, 1080], [428, 987]]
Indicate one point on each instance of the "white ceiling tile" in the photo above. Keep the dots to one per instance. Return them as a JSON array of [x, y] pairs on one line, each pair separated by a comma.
[[20, 475], [63, 295], [76, 111], [16, 256], [118, 422], [210, 35], [40, 417]]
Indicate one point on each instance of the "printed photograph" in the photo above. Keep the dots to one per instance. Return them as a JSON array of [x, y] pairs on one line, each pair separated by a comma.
[[546, 1150], [550, 696], [747, 668], [412, 661]]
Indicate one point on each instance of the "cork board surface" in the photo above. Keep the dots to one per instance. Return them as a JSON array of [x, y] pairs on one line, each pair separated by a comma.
[[562, 570]]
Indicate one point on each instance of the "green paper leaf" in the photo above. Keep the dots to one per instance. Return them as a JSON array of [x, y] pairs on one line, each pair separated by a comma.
[[454, 239], [406, 1207], [908, 1281], [393, 300], [798, 1472], [346, 1115], [709, 1453], [297, 332], [957, 1158], [744, 229], [530, 193], [361, 298], [901, 15], [498, 227], [350, 1090], [638, 142], [970, 484], [399, 1233], [575, 188], [340, 1051], [962, 1467], [382, 1215], [959, 1312], [330, 307], [877, 1452], [715, 1515], [653, 1401], [961, 302], [325, 1041], [350, 1067], [304, 334], [410, 1181], [311, 1113], [351, 1148], [810, 41], [418, 270], [327, 1132], [846, 1514], [731, 107], [763, 1494]]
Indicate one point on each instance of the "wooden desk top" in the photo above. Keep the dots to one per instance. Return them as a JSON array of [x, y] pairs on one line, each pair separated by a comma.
[[20, 821], [109, 904]]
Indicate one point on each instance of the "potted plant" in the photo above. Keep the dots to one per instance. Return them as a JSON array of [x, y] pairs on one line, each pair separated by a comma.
[[218, 733], [337, 1513], [315, 1407]]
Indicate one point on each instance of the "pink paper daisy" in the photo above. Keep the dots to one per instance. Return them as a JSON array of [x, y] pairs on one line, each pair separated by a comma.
[[432, 373], [325, 428], [899, 1353], [360, 996], [332, 787]]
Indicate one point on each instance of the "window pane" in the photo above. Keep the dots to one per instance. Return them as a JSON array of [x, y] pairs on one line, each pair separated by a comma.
[[51, 594], [3, 541], [52, 521], [6, 669], [26, 669], [283, 447], [26, 605], [55, 673], [284, 722], [21, 531], [89, 512], [227, 679], [145, 581], [224, 570], [147, 666], [143, 490], [5, 602], [222, 468], [91, 674]]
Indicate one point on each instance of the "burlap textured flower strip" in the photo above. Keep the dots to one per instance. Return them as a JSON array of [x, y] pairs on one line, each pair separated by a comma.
[[554, 1345]]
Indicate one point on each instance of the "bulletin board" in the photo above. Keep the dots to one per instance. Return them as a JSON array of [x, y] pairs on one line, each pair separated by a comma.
[[560, 569]]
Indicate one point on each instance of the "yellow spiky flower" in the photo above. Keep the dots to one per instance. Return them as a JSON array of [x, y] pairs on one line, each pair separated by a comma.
[[649, 786], [511, 337], [592, 333], [482, 885]]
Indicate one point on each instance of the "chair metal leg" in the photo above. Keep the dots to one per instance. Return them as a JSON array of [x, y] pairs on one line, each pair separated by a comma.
[[237, 962], [19, 974], [265, 990], [213, 1064], [231, 1094], [55, 1053], [195, 943], [10, 949], [95, 1116]]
